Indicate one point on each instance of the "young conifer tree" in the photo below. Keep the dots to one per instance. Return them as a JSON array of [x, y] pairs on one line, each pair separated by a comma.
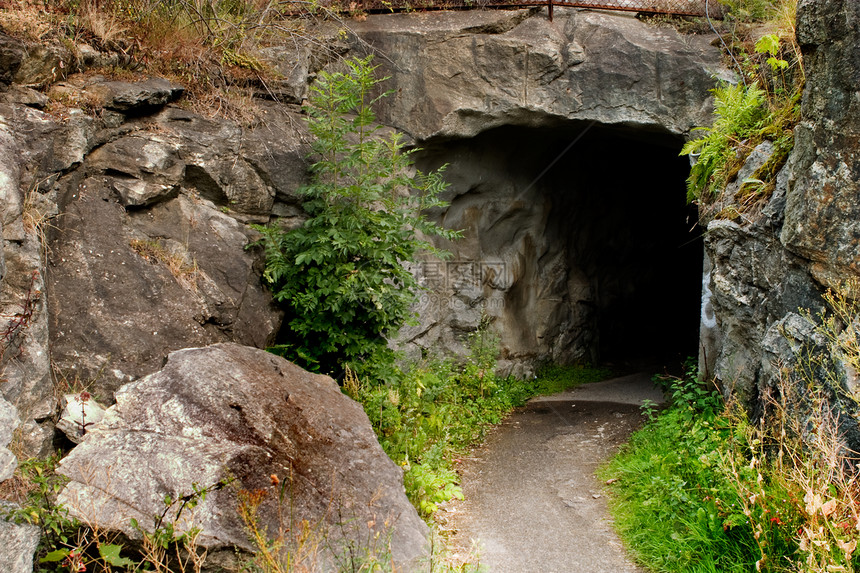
[[341, 276]]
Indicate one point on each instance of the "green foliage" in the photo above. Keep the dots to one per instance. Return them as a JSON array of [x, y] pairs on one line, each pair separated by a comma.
[[672, 503], [702, 489], [739, 113], [342, 276], [432, 412], [764, 108], [41, 507], [689, 395], [770, 44], [748, 10]]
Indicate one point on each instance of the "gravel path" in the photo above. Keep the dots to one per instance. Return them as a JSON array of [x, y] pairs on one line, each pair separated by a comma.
[[533, 503]]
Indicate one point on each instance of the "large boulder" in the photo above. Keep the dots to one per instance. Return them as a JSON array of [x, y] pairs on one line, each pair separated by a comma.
[[233, 412]]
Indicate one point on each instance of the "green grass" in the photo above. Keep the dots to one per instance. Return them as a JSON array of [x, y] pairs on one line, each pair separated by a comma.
[[672, 505], [693, 491], [436, 410]]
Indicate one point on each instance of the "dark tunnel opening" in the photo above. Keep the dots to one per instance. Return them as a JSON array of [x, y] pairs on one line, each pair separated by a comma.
[[606, 204]]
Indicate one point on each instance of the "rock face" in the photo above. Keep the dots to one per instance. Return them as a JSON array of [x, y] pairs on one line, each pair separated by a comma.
[[9, 422], [143, 210], [807, 238], [755, 282], [166, 265], [24, 345], [459, 74], [17, 543], [232, 411], [822, 221], [533, 119]]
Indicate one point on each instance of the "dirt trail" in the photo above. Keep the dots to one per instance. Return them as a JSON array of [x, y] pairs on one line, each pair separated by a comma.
[[533, 503]]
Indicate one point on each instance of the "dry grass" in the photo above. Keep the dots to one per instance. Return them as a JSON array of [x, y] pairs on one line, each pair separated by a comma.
[[28, 20], [292, 549], [805, 474], [210, 46], [186, 273]]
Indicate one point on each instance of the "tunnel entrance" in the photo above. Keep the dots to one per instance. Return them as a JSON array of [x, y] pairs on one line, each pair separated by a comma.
[[595, 255]]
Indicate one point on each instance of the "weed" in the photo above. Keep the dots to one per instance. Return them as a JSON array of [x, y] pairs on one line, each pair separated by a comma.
[[648, 409], [765, 106], [171, 546], [13, 326], [704, 489], [42, 484], [153, 251], [432, 412]]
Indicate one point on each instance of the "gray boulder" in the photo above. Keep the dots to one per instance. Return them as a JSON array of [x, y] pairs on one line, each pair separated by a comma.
[[130, 286], [228, 411], [17, 543], [134, 97]]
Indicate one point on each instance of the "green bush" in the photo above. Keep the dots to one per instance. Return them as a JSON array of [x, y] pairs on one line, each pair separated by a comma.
[[342, 276]]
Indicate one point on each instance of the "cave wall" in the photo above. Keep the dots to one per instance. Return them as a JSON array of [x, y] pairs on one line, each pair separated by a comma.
[[571, 259]]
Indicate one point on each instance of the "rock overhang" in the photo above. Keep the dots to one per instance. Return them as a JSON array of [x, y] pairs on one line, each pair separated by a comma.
[[459, 74]]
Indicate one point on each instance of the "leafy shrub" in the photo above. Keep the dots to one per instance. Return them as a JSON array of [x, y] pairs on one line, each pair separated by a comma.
[[739, 112], [342, 276]]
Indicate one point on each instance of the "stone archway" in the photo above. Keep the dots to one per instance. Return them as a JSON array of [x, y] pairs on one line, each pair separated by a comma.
[[592, 259], [579, 245]]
